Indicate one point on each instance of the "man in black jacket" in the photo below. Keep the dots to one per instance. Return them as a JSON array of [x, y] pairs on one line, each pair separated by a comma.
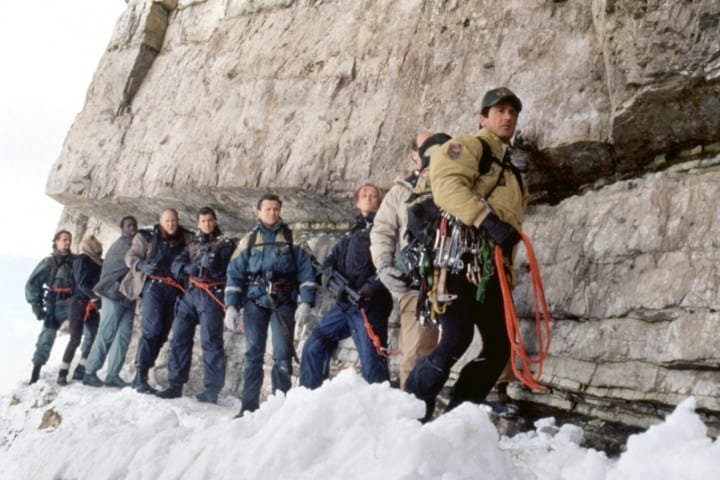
[[364, 317]]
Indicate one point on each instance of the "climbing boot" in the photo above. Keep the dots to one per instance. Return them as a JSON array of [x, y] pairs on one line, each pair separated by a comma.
[[173, 391], [79, 372], [92, 380], [116, 382], [62, 377], [207, 397], [35, 375], [140, 383]]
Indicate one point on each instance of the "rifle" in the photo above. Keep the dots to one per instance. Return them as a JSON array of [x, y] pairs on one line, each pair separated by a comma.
[[339, 286]]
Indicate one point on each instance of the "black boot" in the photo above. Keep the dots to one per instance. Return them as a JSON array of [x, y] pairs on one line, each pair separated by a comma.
[[173, 391], [62, 377], [79, 372], [207, 397], [35, 375], [140, 383]]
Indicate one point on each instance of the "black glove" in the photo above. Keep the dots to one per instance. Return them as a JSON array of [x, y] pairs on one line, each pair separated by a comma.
[[148, 267], [38, 310], [502, 233], [97, 303], [366, 292]]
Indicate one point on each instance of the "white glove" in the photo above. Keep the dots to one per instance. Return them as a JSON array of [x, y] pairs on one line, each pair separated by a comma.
[[64, 326], [391, 277], [302, 314], [232, 318]]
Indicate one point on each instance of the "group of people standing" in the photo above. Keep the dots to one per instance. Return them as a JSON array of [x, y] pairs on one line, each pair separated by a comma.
[[269, 281]]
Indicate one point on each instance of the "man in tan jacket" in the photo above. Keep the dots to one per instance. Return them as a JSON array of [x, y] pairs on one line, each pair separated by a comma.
[[386, 239], [475, 182]]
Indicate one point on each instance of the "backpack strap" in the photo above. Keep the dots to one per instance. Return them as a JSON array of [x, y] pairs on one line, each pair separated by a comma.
[[287, 233], [487, 158]]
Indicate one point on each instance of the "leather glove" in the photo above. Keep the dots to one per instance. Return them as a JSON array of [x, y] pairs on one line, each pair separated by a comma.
[[392, 278], [148, 267], [502, 233], [38, 311], [232, 319], [302, 314], [366, 291]]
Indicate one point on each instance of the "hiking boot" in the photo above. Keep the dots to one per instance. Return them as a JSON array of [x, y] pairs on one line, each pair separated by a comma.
[[79, 372], [35, 375], [502, 409], [62, 377], [116, 382], [140, 383], [173, 391], [92, 380], [207, 397]]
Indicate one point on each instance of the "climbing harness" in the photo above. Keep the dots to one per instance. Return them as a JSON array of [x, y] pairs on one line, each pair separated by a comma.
[[207, 288], [518, 353], [167, 281]]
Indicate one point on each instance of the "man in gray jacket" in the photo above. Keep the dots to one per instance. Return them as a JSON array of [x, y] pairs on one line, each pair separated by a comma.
[[116, 315], [388, 237]]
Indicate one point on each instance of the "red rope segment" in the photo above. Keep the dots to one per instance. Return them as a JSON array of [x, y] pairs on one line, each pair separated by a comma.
[[206, 286], [518, 354], [383, 352]]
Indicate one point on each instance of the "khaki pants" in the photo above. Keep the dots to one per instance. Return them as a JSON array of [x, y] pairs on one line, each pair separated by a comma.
[[416, 340]]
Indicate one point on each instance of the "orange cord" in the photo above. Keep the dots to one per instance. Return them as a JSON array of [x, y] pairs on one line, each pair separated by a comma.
[[88, 310], [383, 352], [542, 322], [206, 286]]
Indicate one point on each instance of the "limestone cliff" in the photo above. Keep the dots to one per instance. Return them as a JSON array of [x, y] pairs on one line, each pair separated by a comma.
[[214, 102]]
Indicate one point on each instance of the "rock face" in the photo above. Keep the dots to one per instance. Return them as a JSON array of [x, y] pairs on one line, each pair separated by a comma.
[[215, 102]]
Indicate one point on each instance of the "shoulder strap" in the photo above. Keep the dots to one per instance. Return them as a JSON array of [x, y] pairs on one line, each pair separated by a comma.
[[287, 233], [488, 158]]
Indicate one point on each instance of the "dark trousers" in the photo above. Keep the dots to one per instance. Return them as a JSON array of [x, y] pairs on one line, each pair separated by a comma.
[[76, 317], [257, 320], [158, 311], [197, 307], [457, 325], [342, 321]]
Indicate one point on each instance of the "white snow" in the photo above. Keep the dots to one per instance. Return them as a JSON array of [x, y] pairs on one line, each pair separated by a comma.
[[346, 429]]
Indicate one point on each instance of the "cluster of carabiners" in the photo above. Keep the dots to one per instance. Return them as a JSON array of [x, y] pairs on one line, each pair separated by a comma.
[[458, 248]]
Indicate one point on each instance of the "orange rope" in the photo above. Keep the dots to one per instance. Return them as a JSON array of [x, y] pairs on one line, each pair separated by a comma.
[[88, 309], [167, 281], [383, 352], [205, 286], [542, 322]]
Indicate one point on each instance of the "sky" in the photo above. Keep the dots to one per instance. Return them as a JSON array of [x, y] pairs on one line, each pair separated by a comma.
[[49, 50], [346, 429]]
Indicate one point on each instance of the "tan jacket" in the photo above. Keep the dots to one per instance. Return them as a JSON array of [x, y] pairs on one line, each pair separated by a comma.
[[388, 233], [459, 188]]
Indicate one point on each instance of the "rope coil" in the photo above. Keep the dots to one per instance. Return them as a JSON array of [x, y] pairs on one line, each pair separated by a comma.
[[518, 353]]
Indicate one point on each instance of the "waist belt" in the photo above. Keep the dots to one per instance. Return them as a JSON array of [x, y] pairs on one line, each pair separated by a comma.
[[167, 281], [206, 286], [275, 287]]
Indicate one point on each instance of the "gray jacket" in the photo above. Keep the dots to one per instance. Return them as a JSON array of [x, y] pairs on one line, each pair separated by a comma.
[[113, 271]]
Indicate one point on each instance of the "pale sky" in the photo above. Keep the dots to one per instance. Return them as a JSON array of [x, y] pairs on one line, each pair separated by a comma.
[[49, 51]]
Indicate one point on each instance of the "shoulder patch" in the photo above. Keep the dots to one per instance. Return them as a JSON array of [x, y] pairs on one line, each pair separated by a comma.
[[454, 150]]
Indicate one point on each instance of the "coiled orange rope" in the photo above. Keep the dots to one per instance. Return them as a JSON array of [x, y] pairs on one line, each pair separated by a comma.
[[520, 360]]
